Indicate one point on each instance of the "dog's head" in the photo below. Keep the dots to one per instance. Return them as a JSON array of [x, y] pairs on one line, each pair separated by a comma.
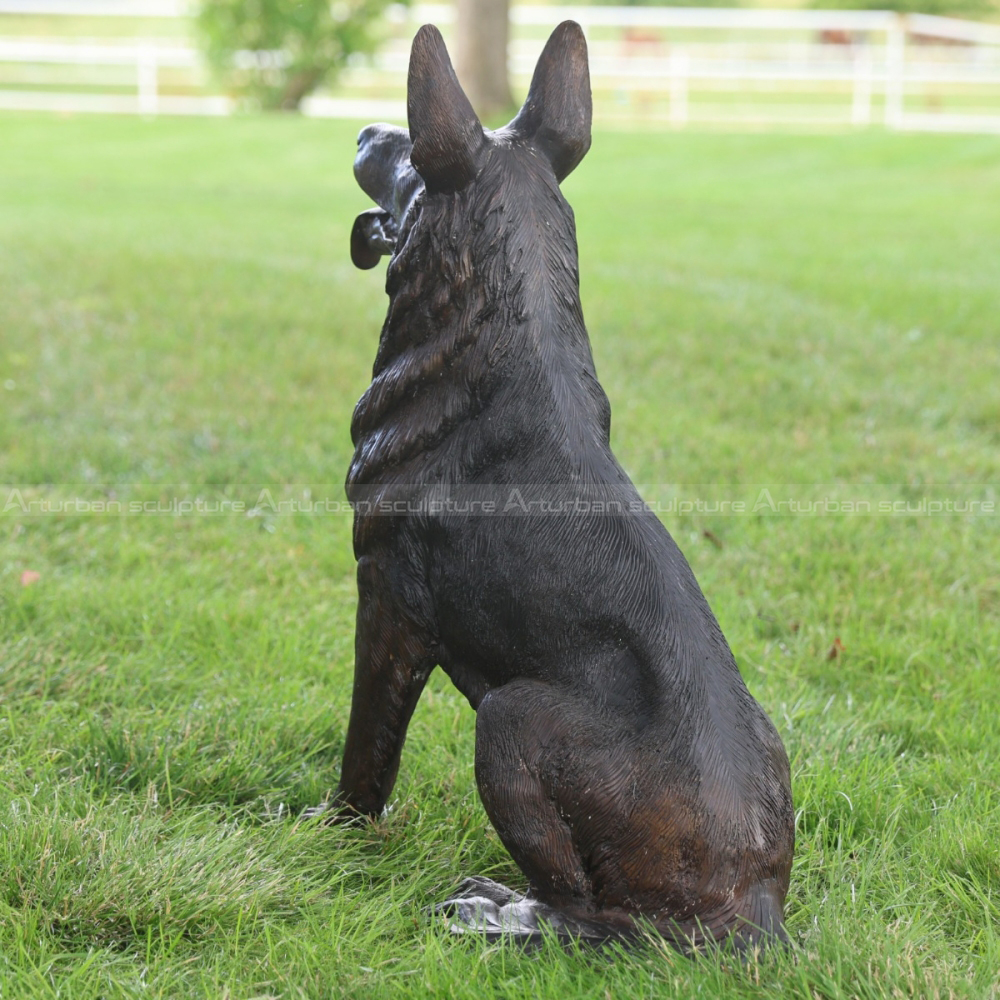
[[446, 146]]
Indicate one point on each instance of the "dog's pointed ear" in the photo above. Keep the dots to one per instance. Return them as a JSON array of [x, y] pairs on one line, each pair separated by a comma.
[[446, 134], [558, 110]]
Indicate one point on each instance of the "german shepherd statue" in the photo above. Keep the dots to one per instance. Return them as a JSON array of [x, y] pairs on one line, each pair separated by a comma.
[[619, 755]]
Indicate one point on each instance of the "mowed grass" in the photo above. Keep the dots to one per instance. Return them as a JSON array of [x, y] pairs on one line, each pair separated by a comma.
[[179, 319]]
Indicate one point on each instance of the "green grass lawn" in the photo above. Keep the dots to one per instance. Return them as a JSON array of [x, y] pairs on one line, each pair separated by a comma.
[[818, 316]]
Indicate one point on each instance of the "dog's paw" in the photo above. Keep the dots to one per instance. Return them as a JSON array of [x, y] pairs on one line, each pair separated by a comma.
[[333, 813], [482, 906], [317, 811], [478, 886]]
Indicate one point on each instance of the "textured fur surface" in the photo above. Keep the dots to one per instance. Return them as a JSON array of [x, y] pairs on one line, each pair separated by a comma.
[[619, 754]]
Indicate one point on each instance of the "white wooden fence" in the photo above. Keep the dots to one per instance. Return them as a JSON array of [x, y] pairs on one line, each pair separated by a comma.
[[675, 66]]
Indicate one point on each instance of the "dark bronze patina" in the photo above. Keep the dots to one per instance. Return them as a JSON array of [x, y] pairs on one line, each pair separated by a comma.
[[619, 755]]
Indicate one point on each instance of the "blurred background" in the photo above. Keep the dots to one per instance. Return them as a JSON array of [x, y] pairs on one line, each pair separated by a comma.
[[912, 64]]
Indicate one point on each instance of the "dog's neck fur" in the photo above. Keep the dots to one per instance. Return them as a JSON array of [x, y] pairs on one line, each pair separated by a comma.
[[473, 311]]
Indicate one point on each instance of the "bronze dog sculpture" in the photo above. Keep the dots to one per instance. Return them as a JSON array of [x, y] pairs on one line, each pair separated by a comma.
[[619, 755]]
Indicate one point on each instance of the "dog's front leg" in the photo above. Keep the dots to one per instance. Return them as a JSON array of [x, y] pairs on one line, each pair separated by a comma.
[[394, 653]]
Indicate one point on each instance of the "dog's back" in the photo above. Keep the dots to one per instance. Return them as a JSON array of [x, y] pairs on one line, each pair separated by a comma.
[[618, 753]]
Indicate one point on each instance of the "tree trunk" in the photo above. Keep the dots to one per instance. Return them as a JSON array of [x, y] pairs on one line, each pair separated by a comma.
[[481, 33], [299, 84]]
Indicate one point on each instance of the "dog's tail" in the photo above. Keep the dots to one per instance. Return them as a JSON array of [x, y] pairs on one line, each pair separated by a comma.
[[760, 919], [753, 922]]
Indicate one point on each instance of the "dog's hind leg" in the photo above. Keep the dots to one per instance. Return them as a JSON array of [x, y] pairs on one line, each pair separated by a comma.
[[521, 728], [515, 731]]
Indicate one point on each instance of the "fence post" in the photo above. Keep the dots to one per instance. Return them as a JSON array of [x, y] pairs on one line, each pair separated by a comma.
[[861, 106], [679, 71], [146, 73], [895, 59]]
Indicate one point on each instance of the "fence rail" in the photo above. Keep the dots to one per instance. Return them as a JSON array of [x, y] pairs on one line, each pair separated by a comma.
[[669, 65]]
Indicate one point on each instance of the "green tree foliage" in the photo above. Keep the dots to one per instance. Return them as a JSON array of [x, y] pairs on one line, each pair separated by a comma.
[[278, 51]]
